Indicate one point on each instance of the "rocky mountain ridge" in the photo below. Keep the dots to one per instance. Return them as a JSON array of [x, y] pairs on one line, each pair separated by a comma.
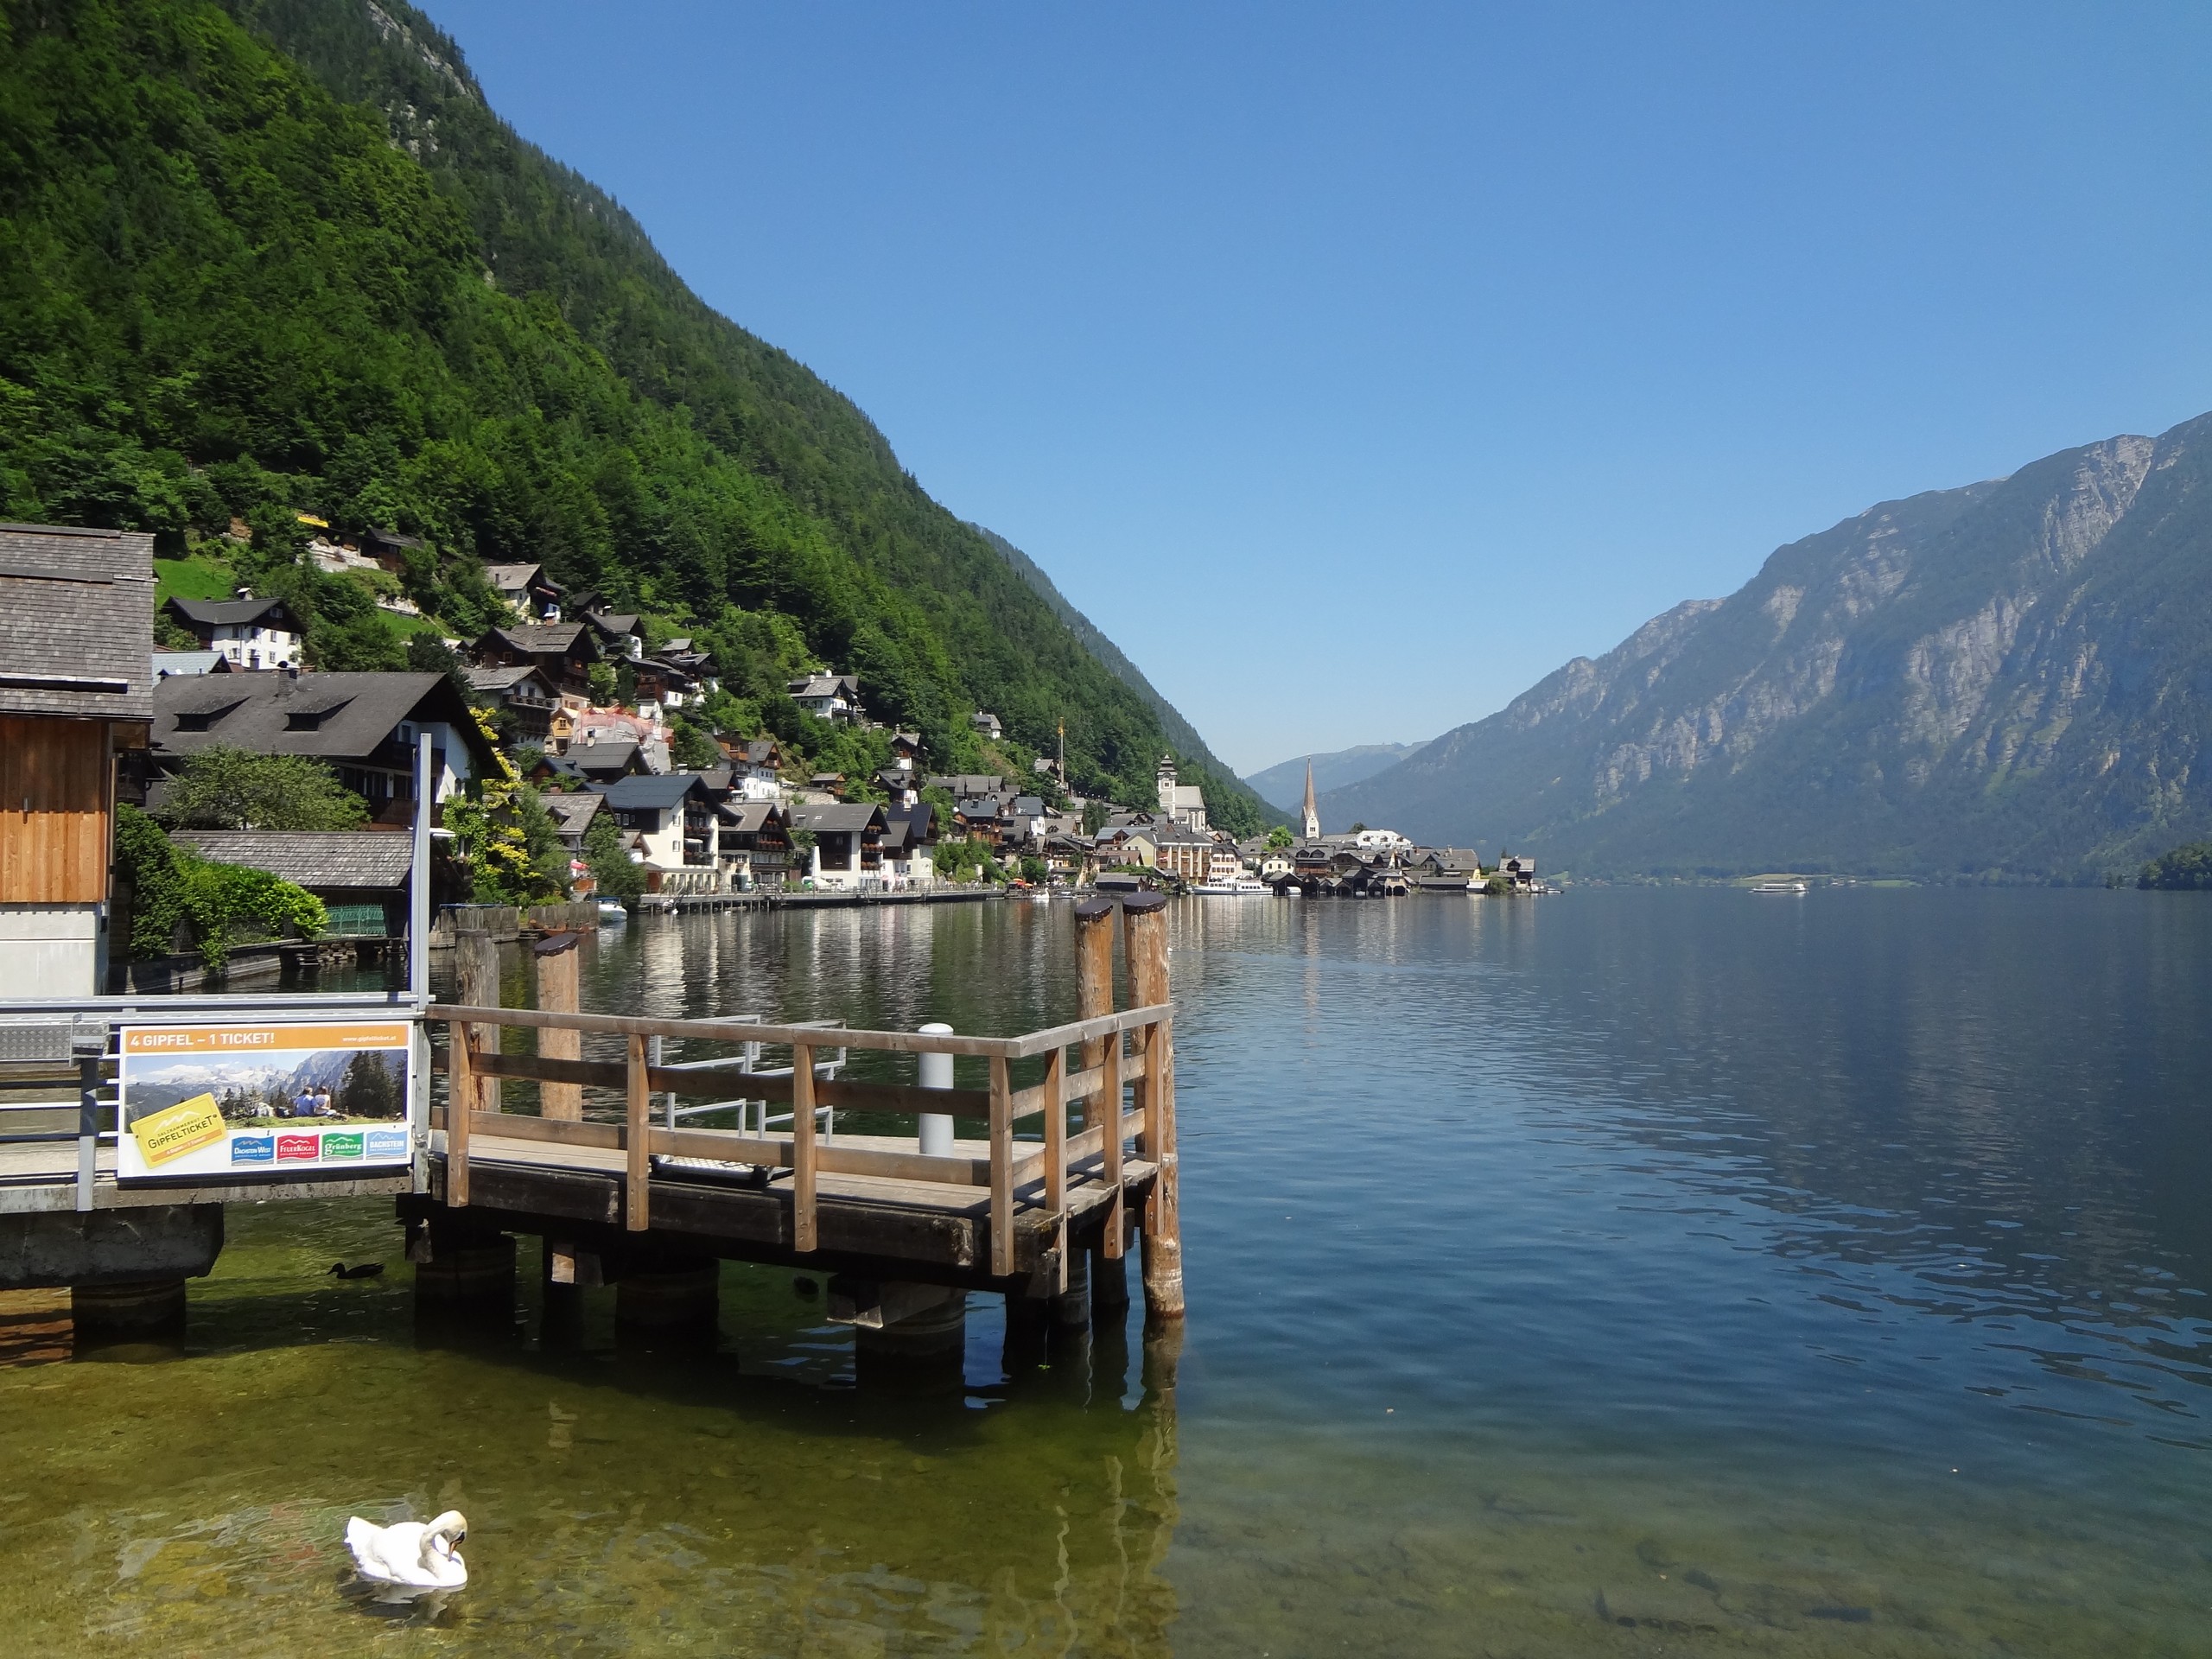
[[2006, 680]]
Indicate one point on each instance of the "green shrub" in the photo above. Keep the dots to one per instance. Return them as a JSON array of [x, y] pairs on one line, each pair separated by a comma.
[[216, 906]]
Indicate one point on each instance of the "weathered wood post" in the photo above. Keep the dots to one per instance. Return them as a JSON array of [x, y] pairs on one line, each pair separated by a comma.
[[558, 961], [1144, 939], [476, 973], [1094, 982]]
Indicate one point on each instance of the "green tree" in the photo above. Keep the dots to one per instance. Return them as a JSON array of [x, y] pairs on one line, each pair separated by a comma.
[[2183, 868], [222, 787], [1279, 838], [176, 893], [601, 678], [691, 749], [607, 853]]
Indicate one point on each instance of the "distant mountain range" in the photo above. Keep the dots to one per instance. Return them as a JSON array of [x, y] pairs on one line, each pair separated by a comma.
[[1283, 787], [2008, 681]]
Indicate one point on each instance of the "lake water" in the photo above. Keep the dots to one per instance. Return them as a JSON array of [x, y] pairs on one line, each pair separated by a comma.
[[1624, 1272]]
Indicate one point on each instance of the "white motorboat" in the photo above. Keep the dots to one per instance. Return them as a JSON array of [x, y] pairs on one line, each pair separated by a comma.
[[611, 911]]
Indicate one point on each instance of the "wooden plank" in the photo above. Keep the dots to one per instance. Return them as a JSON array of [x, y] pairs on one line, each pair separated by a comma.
[[461, 1094], [902, 1042], [1002, 1169], [728, 1084], [735, 1146], [640, 1104], [803, 1234]]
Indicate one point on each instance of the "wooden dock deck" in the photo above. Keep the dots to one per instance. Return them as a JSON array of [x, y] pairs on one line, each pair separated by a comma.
[[606, 1165]]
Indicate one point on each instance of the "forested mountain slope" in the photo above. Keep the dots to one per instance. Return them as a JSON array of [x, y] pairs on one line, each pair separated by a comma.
[[2012, 680], [273, 255]]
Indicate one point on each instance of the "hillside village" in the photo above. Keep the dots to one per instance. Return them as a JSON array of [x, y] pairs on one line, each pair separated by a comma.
[[608, 723], [580, 752]]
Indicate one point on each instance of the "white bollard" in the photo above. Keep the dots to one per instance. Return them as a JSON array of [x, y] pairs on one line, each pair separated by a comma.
[[936, 1073]]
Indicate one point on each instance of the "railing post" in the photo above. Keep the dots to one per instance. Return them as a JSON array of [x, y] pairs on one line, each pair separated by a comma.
[[1002, 1169], [803, 1233], [557, 960], [935, 1071], [636, 1138], [476, 973], [1144, 923], [1094, 984], [460, 1101], [1112, 1244], [1056, 1153]]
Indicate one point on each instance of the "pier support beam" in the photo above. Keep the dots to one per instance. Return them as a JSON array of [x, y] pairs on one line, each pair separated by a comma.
[[129, 1309], [673, 1300], [904, 1335], [1144, 940]]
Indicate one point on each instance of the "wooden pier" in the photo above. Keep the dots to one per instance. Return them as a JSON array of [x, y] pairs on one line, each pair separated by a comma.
[[1070, 1149]]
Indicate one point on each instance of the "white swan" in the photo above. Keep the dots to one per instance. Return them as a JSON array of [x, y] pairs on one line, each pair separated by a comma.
[[421, 1555]]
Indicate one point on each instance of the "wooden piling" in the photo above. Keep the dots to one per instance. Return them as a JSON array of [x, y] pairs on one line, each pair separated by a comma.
[[558, 959], [476, 972], [1094, 991], [1094, 985], [804, 1238], [637, 1099], [1144, 940]]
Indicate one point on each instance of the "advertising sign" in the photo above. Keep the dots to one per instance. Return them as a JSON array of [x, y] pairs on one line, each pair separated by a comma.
[[205, 1101]]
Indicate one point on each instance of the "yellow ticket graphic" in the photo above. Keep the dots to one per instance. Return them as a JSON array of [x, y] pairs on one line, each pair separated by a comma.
[[175, 1130]]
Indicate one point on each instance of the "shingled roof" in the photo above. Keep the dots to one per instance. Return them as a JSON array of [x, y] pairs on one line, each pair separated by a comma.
[[76, 622], [313, 859], [331, 717]]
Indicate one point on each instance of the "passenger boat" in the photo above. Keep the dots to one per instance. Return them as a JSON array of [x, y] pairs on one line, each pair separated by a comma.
[[1778, 886]]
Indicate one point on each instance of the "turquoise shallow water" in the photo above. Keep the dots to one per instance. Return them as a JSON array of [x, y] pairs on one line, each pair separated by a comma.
[[1622, 1272]]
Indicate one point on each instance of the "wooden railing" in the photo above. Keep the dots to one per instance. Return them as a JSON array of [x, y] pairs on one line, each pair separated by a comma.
[[1132, 1049]]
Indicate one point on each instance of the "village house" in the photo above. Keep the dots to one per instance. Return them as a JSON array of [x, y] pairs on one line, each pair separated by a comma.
[[363, 726], [563, 652], [1225, 864], [167, 663], [616, 632], [988, 723], [847, 854], [756, 766], [1182, 851], [527, 700], [828, 696], [572, 815], [604, 762], [252, 632], [76, 690], [1128, 844], [905, 751], [755, 850], [668, 825], [909, 846], [1519, 871], [966, 783], [898, 786], [531, 595], [1445, 869], [1027, 820]]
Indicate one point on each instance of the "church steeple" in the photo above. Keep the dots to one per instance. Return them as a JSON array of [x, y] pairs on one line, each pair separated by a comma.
[[1313, 812]]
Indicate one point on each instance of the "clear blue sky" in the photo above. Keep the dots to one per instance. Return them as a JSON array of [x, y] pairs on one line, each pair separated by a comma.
[[1354, 367]]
